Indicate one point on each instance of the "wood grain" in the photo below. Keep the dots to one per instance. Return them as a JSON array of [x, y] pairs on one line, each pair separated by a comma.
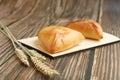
[[106, 64], [26, 17]]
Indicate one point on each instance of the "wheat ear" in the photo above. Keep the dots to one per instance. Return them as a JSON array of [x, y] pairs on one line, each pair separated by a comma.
[[21, 55], [36, 54], [43, 68]]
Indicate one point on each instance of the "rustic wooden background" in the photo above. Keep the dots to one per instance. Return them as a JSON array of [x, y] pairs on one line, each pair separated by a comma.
[[26, 17]]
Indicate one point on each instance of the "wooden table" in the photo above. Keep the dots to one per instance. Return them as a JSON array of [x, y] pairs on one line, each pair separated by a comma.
[[26, 17]]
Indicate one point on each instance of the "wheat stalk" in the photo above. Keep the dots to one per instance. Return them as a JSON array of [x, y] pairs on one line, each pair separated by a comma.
[[20, 54], [38, 60]]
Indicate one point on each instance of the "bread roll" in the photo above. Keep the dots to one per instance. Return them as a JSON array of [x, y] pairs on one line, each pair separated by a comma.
[[89, 28], [57, 38]]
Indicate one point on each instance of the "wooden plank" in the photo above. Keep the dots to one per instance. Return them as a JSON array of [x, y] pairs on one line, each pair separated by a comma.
[[28, 22], [106, 64]]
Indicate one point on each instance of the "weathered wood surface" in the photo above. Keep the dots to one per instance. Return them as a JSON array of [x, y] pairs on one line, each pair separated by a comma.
[[26, 17]]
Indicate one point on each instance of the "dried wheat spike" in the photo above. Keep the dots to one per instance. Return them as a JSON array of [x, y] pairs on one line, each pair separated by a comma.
[[21, 55], [36, 54], [43, 68]]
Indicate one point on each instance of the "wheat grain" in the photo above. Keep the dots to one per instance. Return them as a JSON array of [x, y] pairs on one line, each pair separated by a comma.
[[43, 68], [36, 54], [39, 56], [21, 55]]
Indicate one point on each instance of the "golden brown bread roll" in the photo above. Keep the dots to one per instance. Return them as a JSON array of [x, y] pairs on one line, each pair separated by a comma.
[[89, 28], [57, 38]]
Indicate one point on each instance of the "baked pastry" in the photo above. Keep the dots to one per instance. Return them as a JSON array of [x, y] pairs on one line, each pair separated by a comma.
[[57, 38], [89, 28]]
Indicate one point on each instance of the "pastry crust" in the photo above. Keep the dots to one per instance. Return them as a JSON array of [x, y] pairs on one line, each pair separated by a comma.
[[57, 38], [89, 28]]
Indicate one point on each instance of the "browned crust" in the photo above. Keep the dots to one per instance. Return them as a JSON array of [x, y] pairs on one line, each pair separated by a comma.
[[56, 38], [89, 28]]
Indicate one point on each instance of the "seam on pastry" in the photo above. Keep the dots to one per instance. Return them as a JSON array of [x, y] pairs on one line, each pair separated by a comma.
[[53, 44], [97, 29]]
